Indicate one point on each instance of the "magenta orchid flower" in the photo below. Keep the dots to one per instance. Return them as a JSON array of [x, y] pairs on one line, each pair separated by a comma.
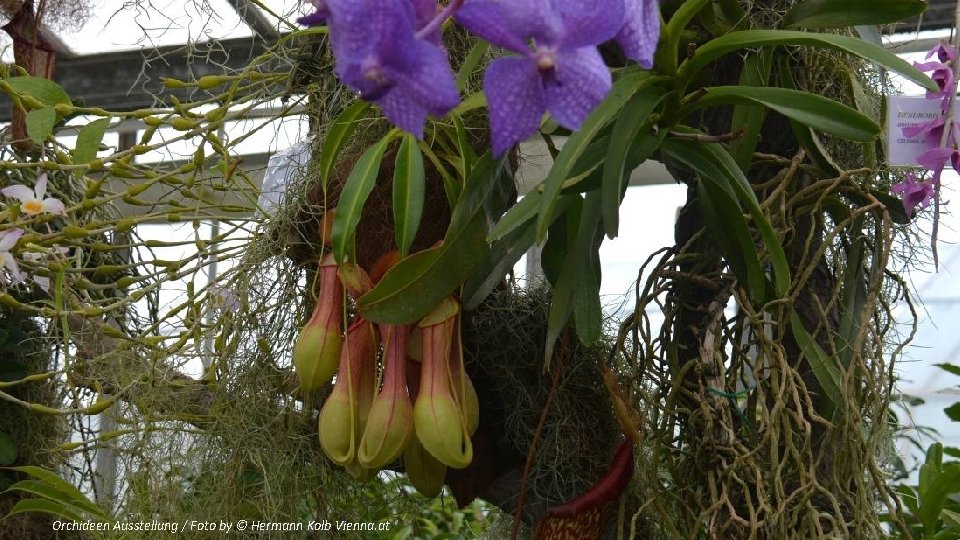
[[389, 52], [561, 73], [8, 239], [33, 202], [641, 31], [936, 159], [941, 72], [914, 192]]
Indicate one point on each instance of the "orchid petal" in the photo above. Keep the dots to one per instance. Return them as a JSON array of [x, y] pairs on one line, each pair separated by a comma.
[[403, 111], [8, 239], [640, 33], [18, 191], [591, 22], [581, 81], [40, 189], [485, 18], [516, 101], [11, 265], [54, 206], [935, 158], [427, 78], [534, 19], [43, 282], [923, 128]]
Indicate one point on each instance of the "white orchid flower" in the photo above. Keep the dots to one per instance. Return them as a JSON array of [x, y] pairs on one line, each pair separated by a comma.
[[33, 202], [8, 239], [39, 256]]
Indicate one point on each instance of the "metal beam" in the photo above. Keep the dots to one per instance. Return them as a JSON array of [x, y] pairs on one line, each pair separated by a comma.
[[255, 19], [129, 80]]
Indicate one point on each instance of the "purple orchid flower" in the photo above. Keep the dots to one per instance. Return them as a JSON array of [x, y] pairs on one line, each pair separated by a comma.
[[942, 74], [936, 159], [389, 52], [914, 192], [944, 51], [318, 17], [559, 69], [641, 31]]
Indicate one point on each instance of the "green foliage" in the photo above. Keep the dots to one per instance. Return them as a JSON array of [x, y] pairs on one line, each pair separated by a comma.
[[250, 440], [932, 507], [845, 13], [51, 494], [408, 191]]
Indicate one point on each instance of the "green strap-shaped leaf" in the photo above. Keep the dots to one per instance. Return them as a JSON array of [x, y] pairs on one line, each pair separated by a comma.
[[45, 506], [726, 225], [615, 167], [88, 141], [40, 123], [715, 165], [812, 110], [854, 295], [845, 13], [504, 254], [824, 367], [337, 134], [64, 490], [934, 497], [518, 214], [806, 136], [741, 186], [949, 368], [666, 55], [44, 90], [577, 273], [747, 39], [623, 90], [466, 156], [354, 195], [476, 54], [417, 283], [409, 187], [748, 117]]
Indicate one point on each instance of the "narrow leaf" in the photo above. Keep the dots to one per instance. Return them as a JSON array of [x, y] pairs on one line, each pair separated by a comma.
[[409, 187], [615, 170], [749, 118], [338, 132], [748, 39], [949, 368], [354, 195], [417, 283], [476, 54], [24, 506], [68, 491], [845, 13], [563, 298], [812, 110], [623, 90], [504, 254], [824, 367]]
